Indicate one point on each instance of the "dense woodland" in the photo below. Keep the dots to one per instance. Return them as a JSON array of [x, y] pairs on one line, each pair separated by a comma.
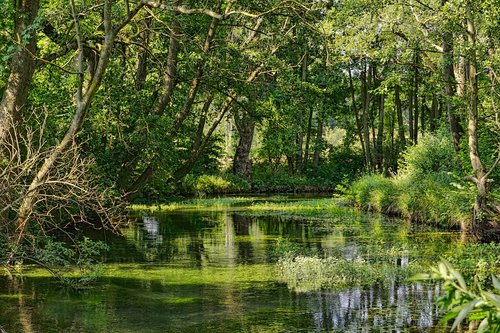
[[106, 102]]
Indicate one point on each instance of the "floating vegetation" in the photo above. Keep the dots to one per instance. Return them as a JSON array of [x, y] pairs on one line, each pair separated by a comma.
[[303, 273]]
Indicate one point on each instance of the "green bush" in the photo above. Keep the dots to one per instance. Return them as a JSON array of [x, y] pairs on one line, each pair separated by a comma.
[[426, 189], [214, 184], [433, 154]]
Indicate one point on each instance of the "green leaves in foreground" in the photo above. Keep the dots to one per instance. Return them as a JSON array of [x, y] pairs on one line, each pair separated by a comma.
[[462, 304]]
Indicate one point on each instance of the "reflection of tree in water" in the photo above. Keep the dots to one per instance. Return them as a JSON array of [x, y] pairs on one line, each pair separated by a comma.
[[242, 226], [197, 251], [389, 309]]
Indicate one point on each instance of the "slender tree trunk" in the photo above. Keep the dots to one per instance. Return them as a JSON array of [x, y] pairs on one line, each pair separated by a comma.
[[289, 161], [449, 77], [201, 141], [410, 115], [433, 114], [423, 110], [300, 135], [22, 68], [318, 144], [142, 57], [380, 133], [399, 112], [308, 139], [366, 118], [359, 125], [415, 99], [170, 75], [373, 107], [477, 167], [391, 161], [195, 83]]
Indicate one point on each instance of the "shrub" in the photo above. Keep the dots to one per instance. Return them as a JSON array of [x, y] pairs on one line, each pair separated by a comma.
[[433, 154], [426, 189], [477, 262], [212, 184]]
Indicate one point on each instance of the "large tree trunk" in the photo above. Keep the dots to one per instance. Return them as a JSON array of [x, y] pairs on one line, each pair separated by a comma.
[[242, 165], [22, 68], [483, 226], [83, 101], [475, 160]]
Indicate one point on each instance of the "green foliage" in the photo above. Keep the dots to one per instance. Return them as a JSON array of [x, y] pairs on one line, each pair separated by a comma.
[[433, 154], [435, 198], [462, 304], [287, 248], [267, 179]]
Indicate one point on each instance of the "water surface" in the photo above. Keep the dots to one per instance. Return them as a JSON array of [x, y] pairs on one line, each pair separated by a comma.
[[214, 270]]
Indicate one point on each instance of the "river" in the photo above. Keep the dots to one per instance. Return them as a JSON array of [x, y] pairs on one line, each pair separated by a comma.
[[214, 269]]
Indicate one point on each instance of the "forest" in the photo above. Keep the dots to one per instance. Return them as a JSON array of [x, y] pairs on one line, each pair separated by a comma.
[[113, 107]]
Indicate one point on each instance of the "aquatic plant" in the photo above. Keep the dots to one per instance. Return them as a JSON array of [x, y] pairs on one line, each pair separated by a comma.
[[306, 273], [476, 262], [75, 265]]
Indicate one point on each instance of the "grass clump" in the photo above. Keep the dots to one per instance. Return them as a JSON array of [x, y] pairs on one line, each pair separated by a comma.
[[375, 193]]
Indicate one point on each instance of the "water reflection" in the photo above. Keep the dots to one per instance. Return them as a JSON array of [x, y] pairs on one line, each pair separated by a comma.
[[213, 272]]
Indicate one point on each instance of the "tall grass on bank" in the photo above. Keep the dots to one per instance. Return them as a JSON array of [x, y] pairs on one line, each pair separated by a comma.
[[427, 189]]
